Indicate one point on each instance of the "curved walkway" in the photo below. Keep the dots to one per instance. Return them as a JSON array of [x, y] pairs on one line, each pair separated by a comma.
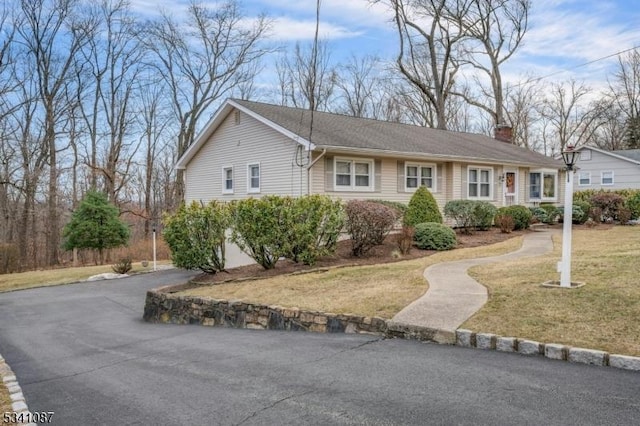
[[454, 296]]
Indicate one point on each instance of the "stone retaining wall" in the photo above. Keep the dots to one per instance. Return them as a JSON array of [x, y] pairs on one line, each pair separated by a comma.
[[165, 307]]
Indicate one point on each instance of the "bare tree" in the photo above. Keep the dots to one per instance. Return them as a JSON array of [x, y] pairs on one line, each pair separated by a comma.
[[625, 96], [359, 86], [520, 108], [495, 30], [304, 82], [568, 118], [203, 59], [53, 34], [429, 54]]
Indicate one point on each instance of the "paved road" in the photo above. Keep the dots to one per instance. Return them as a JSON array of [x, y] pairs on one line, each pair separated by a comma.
[[83, 352]]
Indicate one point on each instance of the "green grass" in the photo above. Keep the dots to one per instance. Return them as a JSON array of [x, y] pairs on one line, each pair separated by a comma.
[[604, 314], [50, 277]]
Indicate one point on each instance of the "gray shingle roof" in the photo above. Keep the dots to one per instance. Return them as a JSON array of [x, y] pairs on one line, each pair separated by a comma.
[[633, 154], [340, 131]]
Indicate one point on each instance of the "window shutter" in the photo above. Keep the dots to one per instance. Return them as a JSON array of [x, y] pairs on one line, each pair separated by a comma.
[[401, 176], [439, 178], [377, 182], [465, 181], [328, 174]]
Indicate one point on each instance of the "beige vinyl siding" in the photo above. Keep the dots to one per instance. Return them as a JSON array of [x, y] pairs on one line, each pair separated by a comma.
[[388, 179], [626, 174], [238, 145]]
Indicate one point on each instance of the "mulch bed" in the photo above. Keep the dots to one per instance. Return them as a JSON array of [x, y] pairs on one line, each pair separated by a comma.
[[343, 257]]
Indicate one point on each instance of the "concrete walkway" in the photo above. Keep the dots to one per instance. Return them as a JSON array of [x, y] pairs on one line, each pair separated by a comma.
[[454, 296]]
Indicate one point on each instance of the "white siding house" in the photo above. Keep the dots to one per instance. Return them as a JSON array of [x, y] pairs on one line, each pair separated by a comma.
[[608, 170]]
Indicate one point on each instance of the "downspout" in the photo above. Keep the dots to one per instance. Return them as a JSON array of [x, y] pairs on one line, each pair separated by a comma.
[[324, 151]]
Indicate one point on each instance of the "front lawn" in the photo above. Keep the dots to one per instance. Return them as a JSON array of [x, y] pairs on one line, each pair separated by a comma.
[[604, 314], [376, 290]]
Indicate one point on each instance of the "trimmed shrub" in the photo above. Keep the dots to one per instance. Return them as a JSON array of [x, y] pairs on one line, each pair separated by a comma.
[[400, 208], [521, 215], [609, 202], [505, 223], [577, 214], [470, 214], [434, 236], [312, 227], [196, 236], [624, 215], [586, 207], [368, 223], [404, 239], [462, 212], [552, 212], [538, 215], [633, 204], [260, 227], [122, 266], [422, 208], [484, 213]]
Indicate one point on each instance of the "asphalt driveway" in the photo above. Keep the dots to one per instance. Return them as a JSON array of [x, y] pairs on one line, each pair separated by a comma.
[[83, 352]]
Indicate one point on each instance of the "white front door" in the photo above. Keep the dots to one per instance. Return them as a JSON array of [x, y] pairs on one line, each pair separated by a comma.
[[510, 187]]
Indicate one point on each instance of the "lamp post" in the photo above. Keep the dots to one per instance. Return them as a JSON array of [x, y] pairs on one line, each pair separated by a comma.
[[154, 247], [569, 156]]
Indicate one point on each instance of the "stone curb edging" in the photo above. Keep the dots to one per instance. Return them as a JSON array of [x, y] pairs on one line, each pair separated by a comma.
[[162, 306], [488, 341], [18, 401]]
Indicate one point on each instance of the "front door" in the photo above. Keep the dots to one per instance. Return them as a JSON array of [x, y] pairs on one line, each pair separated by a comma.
[[510, 189]]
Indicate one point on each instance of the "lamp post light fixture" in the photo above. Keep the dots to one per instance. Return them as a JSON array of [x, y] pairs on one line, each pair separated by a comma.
[[570, 157]]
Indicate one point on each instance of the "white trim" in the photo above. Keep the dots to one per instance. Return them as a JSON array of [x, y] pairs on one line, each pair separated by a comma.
[[588, 174], [613, 181], [251, 190], [218, 118], [420, 166], [543, 172], [352, 187], [479, 182], [224, 180]]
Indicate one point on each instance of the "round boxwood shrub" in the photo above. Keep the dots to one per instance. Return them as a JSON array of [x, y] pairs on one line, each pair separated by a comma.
[[633, 204], [422, 208], [484, 213], [585, 207], [552, 213], [538, 214], [521, 215], [434, 236]]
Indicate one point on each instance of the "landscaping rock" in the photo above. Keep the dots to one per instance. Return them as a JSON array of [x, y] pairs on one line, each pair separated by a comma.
[[485, 341], [556, 351], [465, 338], [506, 344], [625, 362], [588, 356], [529, 347]]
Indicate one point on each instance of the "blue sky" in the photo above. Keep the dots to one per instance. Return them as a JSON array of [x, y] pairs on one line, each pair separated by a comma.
[[563, 34]]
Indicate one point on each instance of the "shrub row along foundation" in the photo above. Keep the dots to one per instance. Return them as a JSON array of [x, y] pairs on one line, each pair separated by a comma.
[[555, 351]]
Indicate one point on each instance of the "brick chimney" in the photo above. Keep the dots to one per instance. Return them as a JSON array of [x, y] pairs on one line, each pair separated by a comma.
[[504, 133]]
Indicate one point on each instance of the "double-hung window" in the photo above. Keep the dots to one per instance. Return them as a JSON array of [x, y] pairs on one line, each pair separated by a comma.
[[227, 180], [417, 175], [253, 177], [479, 182], [543, 186], [584, 178], [607, 178], [353, 175]]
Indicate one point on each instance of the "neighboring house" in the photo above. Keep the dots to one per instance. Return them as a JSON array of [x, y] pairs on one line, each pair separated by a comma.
[[599, 169], [253, 149]]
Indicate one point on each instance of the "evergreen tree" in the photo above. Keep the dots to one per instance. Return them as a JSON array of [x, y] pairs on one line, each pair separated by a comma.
[[95, 225], [422, 208]]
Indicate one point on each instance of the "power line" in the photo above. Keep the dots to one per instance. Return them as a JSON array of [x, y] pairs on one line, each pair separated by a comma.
[[577, 66]]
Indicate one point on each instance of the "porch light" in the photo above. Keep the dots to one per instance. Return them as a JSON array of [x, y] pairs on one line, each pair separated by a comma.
[[570, 157]]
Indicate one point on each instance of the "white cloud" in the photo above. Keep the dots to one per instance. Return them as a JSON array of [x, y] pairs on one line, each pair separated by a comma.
[[288, 29]]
